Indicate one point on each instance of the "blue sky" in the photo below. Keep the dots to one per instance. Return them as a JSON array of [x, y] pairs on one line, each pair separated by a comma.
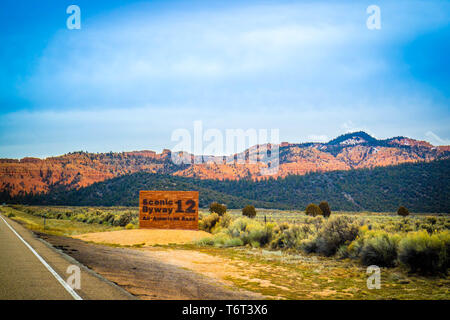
[[136, 71]]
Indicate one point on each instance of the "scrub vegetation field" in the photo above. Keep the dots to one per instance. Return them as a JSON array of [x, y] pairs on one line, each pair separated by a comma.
[[284, 254]]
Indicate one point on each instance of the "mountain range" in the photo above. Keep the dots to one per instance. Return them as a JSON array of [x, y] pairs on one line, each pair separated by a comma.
[[421, 187], [77, 170]]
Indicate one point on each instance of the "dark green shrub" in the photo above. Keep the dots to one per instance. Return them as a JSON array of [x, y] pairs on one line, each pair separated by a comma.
[[336, 232], [425, 253], [427, 227], [380, 250], [249, 211], [431, 220], [325, 208], [402, 211], [309, 246], [122, 219], [259, 237], [313, 210], [218, 208]]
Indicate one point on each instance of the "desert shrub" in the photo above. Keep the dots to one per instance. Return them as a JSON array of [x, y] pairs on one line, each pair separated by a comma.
[[402, 211], [314, 222], [218, 208], [233, 242], [313, 210], [225, 221], [10, 215], [325, 208], [380, 250], [220, 239], [250, 232], [283, 225], [291, 237], [80, 217], [425, 253], [106, 218], [205, 242], [259, 236], [91, 220], [336, 232], [129, 226], [343, 252], [309, 245], [286, 238], [209, 222], [249, 211], [237, 226], [427, 227], [122, 219], [406, 225]]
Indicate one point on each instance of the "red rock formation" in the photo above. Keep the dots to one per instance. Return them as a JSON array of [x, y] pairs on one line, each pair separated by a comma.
[[347, 152]]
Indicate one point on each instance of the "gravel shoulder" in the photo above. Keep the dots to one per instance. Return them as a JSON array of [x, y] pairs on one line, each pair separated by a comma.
[[144, 275]]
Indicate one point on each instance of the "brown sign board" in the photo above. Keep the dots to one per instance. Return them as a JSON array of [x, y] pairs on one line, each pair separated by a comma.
[[168, 209]]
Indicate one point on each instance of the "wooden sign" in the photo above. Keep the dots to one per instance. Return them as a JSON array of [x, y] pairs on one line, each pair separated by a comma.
[[168, 209]]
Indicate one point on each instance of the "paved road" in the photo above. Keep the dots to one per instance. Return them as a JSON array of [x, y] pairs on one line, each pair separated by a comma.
[[30, 268]]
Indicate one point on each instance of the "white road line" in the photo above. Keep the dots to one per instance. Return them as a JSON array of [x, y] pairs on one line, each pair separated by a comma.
[[53, 272]]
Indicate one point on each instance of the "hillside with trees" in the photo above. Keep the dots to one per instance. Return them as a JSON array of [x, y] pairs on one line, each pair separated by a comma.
[[421, 187]]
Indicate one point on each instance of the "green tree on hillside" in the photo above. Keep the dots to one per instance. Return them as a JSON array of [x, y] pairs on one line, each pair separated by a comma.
[[326, 211], [402, 211], [218, 208], [249, 211], [313, 210]]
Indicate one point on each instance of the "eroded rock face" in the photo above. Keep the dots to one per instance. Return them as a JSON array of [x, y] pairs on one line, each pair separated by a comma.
[[80, 169], [75, 170]]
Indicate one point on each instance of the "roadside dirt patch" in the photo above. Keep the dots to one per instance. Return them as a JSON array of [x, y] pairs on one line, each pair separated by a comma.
[[146, 237], [146, 276], [211, 266]]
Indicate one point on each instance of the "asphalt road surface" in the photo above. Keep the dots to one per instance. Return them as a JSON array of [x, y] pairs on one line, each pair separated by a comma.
[[30, 269]]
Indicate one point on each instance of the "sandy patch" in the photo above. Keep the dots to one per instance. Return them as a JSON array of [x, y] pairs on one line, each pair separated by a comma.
[[221, 269], [211, 266], [143, 236]]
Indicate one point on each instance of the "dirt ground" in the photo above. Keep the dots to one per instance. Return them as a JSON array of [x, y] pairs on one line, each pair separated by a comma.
[[144, 237], [148, 274]]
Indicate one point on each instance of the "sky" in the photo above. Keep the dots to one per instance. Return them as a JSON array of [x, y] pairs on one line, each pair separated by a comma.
[[137, 71]]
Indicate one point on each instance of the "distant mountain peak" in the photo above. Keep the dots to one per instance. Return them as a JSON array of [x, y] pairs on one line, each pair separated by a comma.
[[353, 138]]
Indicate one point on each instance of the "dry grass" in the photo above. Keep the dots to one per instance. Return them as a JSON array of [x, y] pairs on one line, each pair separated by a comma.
[[282, 275], [54, 226], [146, 237]]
